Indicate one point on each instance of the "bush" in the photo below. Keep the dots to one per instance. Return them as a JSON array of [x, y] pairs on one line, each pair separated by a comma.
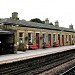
[[43, 47], [21, 47], [54, 44], [26, 38]]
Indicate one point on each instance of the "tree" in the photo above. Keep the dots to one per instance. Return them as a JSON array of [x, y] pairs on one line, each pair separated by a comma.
[[36, 20], [43, 22], [50, 23]]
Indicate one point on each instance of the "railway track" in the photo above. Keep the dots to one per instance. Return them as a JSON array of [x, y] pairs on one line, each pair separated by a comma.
[[36, 65], [70, 71]]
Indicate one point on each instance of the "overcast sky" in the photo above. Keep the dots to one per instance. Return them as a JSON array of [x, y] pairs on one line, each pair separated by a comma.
[[61, 10]]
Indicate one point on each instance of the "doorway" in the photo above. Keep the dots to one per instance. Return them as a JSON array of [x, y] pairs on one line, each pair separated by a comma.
[[70, 39], [59, 39], [49, 39], [37, 40], [6, 43], [62, 40]]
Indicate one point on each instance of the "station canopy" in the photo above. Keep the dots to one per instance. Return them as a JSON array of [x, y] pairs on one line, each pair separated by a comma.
[[2, 31]]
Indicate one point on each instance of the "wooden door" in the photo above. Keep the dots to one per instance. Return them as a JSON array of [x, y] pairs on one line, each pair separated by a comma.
[[59, 39], [37, 39], [62, 40], [49, 38], [70, 39]]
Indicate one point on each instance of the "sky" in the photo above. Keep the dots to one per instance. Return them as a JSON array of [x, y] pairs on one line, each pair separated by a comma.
[[61, 10]]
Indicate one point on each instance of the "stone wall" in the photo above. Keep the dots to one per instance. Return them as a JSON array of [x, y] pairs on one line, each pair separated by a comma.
[[27, 30]]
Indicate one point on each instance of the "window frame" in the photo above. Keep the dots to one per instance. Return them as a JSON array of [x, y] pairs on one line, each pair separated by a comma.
[[54, 37], [30, 39], [21, 38]]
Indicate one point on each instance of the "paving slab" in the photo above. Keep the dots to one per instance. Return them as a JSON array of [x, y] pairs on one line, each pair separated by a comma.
[[9, 58]]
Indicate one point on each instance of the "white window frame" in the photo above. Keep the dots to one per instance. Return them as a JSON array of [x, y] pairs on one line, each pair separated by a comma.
[[54, 39], [30, 38], [21, 38]]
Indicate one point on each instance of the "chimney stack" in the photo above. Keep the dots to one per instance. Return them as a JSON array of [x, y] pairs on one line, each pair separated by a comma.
[[46, 21], [15, 15], [71, 26], [57, 23]]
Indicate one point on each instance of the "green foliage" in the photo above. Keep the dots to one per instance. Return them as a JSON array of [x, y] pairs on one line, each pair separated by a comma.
[[26, 38], [36, 20], [43, 47], [0, 18], [21, 47], [54, 44], [43, 22], [50, 23]]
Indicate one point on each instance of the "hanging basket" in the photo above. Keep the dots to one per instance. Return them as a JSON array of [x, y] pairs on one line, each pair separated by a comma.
[[41, 38], [26, 38]]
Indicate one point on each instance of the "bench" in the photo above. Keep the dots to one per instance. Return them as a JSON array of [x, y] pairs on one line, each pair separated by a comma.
[[47, 45], [33, 47], [57, 44]]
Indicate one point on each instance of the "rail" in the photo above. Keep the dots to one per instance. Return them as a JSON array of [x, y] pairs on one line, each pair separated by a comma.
[[36, 65], [64, 73]]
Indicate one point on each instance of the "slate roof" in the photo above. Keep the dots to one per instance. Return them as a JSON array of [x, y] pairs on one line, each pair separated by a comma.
[[34, 25]]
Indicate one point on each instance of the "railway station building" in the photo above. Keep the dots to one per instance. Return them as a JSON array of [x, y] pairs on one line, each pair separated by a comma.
[[18, 34]]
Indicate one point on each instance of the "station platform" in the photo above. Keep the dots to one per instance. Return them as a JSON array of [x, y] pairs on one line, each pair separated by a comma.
[[9, 58]]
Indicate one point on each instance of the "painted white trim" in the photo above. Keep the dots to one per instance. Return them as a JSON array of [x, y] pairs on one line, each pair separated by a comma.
[[37, 32], [44, 38], [55, 38], [22, 37], [59, 33], [30, 38], [43, 32], [54, 33], [30, 31], [20, 31]]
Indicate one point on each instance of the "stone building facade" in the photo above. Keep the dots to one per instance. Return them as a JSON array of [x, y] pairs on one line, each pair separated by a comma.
[[27, 33]]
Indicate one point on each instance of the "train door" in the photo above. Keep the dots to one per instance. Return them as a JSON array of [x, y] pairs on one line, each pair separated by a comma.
[[37, 39]]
